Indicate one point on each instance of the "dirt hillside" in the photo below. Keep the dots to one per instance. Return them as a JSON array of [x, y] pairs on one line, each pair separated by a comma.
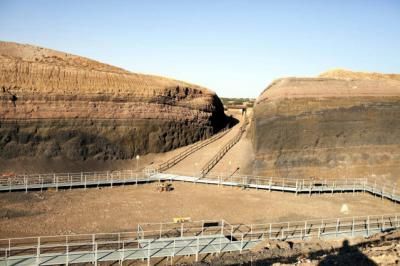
[[329, 127], [55, 104]]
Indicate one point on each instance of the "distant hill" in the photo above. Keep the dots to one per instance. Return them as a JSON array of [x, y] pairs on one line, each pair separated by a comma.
[[347, 74]]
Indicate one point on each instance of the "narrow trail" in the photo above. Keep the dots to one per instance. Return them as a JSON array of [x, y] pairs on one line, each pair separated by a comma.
[[193, 164], [239, 159]]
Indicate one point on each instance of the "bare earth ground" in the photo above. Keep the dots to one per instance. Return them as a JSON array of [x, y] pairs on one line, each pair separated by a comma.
[[122, 208], [193, 164], [239, 159]]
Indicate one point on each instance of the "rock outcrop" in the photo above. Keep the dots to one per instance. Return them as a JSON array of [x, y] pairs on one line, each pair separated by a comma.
[[348, 125], [57, 104]]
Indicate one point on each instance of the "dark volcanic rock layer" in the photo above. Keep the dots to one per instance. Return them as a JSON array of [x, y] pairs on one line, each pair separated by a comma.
[[57, 104], [328, 127]]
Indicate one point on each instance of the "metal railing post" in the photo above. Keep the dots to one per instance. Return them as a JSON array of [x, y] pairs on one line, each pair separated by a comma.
[[197, 249], [38, 252], [337, 227], [173, 250], [305, 228], [181, 229], [67, 255], [270, 231], [241, 244], [270, 183], [26, 184], [95, 254], [220, 244], [123, 253], [393, 191], [148, 253]]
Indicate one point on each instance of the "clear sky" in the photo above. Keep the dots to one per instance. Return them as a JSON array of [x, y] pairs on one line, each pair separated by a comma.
[[235, 48]]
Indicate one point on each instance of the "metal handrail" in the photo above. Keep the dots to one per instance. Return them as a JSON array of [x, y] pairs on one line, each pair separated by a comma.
[[327, 227], [217, 157], [173, 161]]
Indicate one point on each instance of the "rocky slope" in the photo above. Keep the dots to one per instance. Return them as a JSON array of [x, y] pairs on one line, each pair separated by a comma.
[[56, 104], [348, 125]]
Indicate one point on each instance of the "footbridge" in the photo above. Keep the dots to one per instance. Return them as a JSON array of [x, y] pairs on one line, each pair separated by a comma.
[[128, 177], [155, 241]]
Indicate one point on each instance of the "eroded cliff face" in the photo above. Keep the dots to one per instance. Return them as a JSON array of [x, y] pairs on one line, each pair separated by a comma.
[[328, 127], [56, 104]]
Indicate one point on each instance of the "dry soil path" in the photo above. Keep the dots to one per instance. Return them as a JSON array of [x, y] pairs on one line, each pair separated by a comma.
[[239, 159], [193, 164]]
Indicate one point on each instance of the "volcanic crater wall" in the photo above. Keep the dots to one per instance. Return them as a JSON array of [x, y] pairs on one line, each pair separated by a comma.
[[56, 104], [324, 127]]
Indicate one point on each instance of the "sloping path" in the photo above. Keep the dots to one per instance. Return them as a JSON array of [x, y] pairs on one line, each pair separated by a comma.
[[239, 159], [193, 164]]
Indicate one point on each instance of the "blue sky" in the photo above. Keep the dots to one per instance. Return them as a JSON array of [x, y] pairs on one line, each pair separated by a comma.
[[235, 48]]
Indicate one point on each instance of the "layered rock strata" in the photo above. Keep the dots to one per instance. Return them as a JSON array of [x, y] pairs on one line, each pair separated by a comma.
[[57, 104], [328, 127]]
